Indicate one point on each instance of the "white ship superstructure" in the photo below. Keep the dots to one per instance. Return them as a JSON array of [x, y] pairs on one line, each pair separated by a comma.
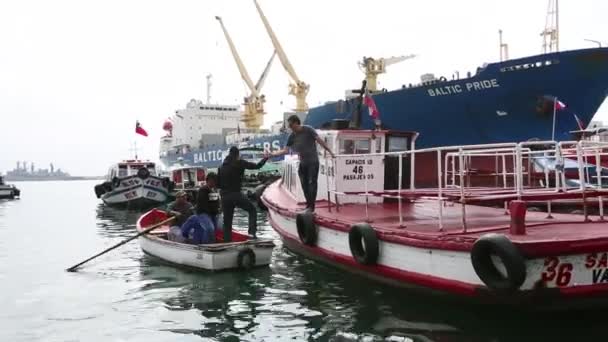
[[199, 125]]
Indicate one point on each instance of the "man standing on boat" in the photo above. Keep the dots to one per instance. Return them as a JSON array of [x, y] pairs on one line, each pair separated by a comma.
[[303, 140], [229, 179]]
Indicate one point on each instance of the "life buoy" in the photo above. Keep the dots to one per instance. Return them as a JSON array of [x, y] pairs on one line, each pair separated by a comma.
[[115, 182], [246, 258], [143, 173], [307, 229], [498, 245], [363, 243], [99, 190]]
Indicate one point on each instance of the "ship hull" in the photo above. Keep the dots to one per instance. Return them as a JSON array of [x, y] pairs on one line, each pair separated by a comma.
[[508, 101]]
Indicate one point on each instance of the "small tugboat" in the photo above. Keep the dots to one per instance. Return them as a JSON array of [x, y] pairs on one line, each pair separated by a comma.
[[241, 253], [134, 183], [8, 191], [373, 219]]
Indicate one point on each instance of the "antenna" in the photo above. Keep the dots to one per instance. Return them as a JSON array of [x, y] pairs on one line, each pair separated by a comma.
[[551, 32], [134, 149], [503, 48], [208, 77]]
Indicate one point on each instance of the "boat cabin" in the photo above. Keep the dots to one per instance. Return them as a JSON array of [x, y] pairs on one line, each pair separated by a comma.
[[130, 167], [188, 177], [370, 167]]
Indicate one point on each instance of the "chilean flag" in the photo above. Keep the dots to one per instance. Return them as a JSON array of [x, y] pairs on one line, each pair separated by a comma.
[[559, 105], [140, 130], [371, 105]]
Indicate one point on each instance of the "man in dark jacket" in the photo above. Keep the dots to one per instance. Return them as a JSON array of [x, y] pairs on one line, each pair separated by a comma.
[[230, 177], [208, 199]]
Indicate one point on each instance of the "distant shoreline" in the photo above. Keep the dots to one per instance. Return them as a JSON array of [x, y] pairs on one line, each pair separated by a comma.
[[45, 179]]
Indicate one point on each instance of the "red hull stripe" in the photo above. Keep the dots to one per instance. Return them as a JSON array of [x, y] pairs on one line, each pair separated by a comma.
[[383, 271]]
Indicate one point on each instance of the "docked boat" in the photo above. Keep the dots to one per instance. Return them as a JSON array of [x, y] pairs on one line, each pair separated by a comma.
[[374, 219], [134, 183], [8, 190], [241, 253], [186, 178]]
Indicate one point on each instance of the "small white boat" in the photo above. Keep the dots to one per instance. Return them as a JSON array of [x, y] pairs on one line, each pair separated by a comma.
[[134, 183], [239, 254], [8, 190]]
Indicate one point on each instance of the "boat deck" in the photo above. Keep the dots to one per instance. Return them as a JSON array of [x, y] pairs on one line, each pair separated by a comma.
[[421, 222]]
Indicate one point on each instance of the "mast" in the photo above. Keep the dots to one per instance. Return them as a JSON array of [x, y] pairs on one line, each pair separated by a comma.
[[503, 48], [209, 88], [551, 32]]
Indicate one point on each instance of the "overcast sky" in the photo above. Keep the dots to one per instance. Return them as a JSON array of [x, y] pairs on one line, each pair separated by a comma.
[[75, 75]]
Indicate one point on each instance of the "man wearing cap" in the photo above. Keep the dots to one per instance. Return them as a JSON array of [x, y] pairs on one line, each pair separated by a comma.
[[229, 179], [181, 209]]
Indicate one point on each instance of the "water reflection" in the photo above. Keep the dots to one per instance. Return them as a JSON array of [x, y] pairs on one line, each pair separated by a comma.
[[115, 222]]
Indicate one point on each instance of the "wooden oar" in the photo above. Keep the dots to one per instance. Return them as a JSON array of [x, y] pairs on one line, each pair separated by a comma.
[[147, 230]]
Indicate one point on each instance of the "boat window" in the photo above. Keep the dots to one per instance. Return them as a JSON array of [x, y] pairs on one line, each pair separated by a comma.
[[354, 146], [122, 172], [396, 144]]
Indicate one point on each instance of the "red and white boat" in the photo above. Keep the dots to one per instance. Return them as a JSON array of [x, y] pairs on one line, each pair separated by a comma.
[[373, 220], [241, 253]]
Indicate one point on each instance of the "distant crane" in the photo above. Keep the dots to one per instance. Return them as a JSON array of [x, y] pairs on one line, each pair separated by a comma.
[[254, 103], [373, 67], [551, 32], [297, 88]]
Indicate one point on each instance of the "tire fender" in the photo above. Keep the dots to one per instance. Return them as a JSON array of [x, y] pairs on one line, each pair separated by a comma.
[[498, 245], [307, 229], [363, 242], [245, 259]]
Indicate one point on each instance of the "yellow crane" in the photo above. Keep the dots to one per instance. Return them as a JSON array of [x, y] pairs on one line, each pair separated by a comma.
[[373, 67], [253, 115], [297, 88]]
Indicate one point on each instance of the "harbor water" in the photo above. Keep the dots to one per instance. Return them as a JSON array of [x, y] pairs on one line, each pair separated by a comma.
[[129, 296]]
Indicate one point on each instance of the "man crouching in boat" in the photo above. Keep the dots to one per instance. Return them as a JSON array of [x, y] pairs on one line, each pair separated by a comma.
[[197, 229], [181, 209], [230, 178]]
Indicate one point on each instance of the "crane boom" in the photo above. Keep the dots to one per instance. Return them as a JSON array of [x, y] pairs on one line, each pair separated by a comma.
[[260, 83], [239, 62], [275, 42]]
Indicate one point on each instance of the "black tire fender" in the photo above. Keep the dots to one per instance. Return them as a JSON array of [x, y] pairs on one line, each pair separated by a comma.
[[115, 182], [307, 229], [246, 258], [107, 186], [363, 242], [143, 173], [257, 194], [99, 190], [514, 263]]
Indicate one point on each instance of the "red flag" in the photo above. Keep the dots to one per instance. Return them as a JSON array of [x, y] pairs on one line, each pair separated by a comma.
[[559, 105], [140, 130], [371, 106], [579, 122]]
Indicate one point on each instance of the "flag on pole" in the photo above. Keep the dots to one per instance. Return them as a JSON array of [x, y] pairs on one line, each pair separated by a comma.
[[140, 130], [579, 122], [559, 105], [371, 105]]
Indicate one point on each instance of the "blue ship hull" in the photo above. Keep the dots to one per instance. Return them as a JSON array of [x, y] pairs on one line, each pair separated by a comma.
[[212, 157], [503, 102]]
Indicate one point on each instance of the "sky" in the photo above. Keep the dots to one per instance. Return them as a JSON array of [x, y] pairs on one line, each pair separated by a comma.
[[76, 75]]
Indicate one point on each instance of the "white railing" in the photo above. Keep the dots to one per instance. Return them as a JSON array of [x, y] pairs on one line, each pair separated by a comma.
[[546, 176]]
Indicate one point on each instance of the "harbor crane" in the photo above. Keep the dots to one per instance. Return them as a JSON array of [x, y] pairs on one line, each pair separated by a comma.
[[297, 88], [373, 67], [253, 114]]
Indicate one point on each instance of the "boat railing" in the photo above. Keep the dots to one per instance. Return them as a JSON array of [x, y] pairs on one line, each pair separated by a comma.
[[537, 171]]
